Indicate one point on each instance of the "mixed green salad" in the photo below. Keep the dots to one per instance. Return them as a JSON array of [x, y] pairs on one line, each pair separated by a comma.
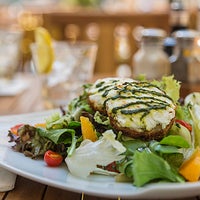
[[80, 136]]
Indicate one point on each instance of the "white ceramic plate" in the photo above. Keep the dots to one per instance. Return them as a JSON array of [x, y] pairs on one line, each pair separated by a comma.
[[96, 185]]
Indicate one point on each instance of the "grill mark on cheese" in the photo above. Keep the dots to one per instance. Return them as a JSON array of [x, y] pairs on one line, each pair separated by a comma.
[[139, 98], [149, 106], [139, 88], [145, 111], [101, 83]]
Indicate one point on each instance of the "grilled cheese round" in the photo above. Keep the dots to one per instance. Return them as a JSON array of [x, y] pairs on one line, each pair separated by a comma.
[[138, 109]]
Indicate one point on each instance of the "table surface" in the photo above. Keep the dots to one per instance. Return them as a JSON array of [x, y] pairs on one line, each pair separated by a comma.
[[30, 101]]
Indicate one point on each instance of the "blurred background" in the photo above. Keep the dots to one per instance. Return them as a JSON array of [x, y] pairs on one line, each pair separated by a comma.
[[114, 24], [133, 38]]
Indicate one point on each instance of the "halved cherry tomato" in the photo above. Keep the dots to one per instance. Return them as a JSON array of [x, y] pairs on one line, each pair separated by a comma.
[[15, 128], [52, 158], [184, 123]]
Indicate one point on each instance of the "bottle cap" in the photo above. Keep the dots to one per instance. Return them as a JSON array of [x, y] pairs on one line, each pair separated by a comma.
[[153, 32], [152, 35], [186, 34]]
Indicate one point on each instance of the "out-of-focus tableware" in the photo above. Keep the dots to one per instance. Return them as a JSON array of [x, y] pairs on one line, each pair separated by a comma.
[[185, 61], [14, 86], [73, 66], [10, 52], [150, 59]]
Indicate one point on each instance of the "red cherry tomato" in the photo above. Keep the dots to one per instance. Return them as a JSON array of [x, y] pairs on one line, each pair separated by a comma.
[[15, 128], [184, 123], [53, 158]]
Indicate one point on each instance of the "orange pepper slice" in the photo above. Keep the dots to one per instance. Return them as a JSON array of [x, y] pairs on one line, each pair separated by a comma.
[[87, 129], [190, 169], [41, 125]]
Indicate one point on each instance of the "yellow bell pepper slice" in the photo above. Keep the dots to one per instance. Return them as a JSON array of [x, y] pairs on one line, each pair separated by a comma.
[[87, 129], [190, 169]]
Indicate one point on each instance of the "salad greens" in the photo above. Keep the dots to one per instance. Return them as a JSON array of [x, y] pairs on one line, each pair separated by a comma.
[[102, 152], [170, 86], [139, 161], [192, 101], [147, 161], [148, 166]]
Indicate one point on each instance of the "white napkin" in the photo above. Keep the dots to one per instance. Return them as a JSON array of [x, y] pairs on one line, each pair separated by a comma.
[[7, 180]]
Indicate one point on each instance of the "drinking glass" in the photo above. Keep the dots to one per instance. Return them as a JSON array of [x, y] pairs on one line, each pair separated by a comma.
[[73, 66], [10, 53]]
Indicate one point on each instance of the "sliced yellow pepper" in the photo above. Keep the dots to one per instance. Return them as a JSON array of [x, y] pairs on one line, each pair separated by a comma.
[[41, 125], [190, 169], [87, 129]]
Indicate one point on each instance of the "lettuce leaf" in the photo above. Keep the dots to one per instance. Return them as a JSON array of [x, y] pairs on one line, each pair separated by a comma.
[[195, 113], [101, 119], [170, 86], [58, 136], [56, 121], [102, 152], [79, 104], [183, 113], [178, 129], [175, 140], [148, 167], [192, 101]]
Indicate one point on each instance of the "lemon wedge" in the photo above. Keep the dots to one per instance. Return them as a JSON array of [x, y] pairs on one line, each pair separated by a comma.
[[44, 50]]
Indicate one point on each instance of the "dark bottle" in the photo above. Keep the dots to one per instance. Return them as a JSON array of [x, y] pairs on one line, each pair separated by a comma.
[[179, 16], [179, 20], [184, 63]]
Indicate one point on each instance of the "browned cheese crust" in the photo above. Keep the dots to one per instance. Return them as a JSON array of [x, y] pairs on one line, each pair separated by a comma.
[[155, 134]]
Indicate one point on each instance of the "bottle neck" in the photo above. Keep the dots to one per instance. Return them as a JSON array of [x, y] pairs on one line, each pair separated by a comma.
[[151, 45], [184, 47], [179, 16]]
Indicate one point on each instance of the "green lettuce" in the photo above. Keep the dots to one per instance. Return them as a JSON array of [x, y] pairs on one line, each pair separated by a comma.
[[79, 105], [175, 140], [170, 86], [60, 136], [195, 113], [57, 121], [154, 160], [192, 102], [178, 129], [183, 113], [101, 119], [148, 167]]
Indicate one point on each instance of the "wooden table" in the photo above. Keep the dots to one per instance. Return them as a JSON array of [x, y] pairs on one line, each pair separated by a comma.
[[30, 101]]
